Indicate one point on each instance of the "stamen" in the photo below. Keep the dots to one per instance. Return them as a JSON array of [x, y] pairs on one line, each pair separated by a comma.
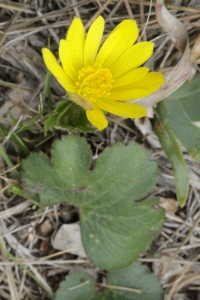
[[94, 82]]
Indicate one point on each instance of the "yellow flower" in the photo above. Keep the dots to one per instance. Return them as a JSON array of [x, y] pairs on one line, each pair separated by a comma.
[[105, 78]]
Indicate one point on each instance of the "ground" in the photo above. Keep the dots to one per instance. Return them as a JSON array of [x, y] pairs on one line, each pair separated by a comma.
[[25, 230]]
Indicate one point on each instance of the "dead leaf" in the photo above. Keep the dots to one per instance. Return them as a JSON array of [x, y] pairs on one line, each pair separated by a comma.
[[172, 26], [15, 97], [169, 205], [173, 272], [145, 127], [46, 227]]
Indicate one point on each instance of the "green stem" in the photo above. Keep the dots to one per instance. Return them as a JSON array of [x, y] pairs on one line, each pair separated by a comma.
[[9, 162]]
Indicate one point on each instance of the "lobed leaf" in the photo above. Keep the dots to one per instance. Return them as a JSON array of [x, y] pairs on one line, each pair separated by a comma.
[[124, 282], [76, 287], [115, 227]]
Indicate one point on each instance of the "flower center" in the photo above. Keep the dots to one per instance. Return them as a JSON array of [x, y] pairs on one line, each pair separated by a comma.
[[94, 82]]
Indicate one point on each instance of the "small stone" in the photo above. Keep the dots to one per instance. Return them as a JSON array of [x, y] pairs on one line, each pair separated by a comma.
[[68, 237]]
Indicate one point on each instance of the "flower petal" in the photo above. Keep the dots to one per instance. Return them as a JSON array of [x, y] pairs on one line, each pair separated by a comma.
[[151, 81], [57, 70], [110, 44], [144, 87], [65, 84], [66, 60], [120, 39], [76, 40], [122, 109], [132, 58], [129, 26], [131, 94], [97, 117], [93, 41], [130, 77]]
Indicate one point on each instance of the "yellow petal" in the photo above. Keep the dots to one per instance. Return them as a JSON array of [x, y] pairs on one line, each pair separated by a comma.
[[132, 58], [97, 117], [66, 60], [129, 35], [93, 41], [120, 39], [144, 87], [109, 46], [66, 86], [57, 70], [76, 40], [127, 95], [129, 32], [122, 109], [151, 82], [130, 77], [127, 26]]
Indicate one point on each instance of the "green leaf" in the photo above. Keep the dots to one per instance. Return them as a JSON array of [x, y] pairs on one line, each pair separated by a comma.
[[53, 120], [29, 124], [185, 130], [169, 143], [68, 115], [115, 227], [121, 285], [20, 143], [17, 190], [188, 94], [76, 287], [183, 108], [9, 162], [114, 234], [50, 122]]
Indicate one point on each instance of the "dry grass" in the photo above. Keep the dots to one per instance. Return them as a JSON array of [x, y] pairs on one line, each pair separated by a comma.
[[26, 231]]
